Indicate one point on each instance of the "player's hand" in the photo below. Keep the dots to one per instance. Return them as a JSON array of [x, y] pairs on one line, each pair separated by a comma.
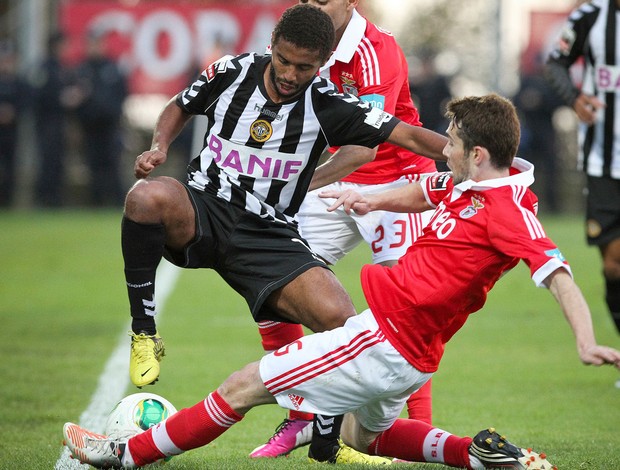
[[147, 162], [586, 107], [598, 355], [350, 201]]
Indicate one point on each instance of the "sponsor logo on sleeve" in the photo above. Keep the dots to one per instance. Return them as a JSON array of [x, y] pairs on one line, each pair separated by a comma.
[[567, 39], [555, 254], [439, 182], [374, 100], [375, 117], [219, 66]]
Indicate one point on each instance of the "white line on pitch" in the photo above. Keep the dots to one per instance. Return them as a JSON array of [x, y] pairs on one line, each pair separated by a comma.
[[114, 379]]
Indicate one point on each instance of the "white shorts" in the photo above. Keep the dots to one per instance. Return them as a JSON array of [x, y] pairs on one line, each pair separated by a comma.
[[331, 235], [351, 369]]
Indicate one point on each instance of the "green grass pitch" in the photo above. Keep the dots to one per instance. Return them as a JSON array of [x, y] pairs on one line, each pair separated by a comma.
[[63, 308]]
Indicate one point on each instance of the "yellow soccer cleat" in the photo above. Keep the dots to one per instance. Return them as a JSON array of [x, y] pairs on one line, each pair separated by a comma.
[[345, 455], [146, 353]]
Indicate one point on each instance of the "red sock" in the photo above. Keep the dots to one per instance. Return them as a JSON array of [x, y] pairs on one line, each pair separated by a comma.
[[416, 441], [274, 335], [420, 404], [187, 429]]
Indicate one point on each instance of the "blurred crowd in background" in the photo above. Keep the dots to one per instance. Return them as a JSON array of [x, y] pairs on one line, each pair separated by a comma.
[[75, 114]]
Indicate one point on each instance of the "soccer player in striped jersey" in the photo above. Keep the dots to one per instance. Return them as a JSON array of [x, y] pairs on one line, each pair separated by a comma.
[[484, 223], [270, 117], [368, 63], [592, 33]]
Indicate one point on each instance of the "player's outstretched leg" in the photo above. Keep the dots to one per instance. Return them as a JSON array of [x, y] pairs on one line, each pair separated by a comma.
[[494, 451], [146, 353]]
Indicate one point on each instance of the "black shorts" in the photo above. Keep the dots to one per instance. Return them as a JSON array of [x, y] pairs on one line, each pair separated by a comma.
[[602, 210], [255, 256]]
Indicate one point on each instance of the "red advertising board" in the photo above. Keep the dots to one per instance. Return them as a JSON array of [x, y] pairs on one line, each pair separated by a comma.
[[545, 28], [162, 44]]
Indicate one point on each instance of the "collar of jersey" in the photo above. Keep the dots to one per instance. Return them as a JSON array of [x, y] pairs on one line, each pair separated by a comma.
[[523, 175], [347, 46]]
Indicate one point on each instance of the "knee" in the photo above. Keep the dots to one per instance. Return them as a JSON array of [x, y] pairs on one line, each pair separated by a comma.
[[146, 196], [335, 311], [244, 389], [355, 435]]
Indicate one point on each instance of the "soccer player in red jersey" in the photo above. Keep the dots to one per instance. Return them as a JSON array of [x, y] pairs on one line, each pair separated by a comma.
[[368, 63], [484, 223]]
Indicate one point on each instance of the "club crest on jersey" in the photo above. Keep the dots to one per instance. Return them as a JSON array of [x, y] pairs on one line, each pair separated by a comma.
[[348, 85], [472, 210], [261, 130]]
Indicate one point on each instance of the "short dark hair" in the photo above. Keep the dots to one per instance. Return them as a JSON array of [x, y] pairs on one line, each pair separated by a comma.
[[307, 27], [489, 121]]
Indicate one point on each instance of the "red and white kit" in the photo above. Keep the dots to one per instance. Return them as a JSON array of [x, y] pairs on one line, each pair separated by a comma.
[[369, 63], [478, 231]]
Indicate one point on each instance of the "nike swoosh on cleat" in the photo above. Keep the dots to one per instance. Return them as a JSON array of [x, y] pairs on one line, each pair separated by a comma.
[[145, 372]]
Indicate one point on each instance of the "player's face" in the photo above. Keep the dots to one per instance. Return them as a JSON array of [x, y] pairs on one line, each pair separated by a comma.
[[457, 159], [292, 69], [339, 10]]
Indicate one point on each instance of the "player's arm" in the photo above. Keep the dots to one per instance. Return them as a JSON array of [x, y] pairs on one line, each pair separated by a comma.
[[409, 198], [170, 122], [577, 313], [570, 48], [344, 161], [419, 140]]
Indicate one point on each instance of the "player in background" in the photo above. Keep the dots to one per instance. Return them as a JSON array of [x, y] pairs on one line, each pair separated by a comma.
[[368, 63], [378, 358], [592, 32], [270, 117]]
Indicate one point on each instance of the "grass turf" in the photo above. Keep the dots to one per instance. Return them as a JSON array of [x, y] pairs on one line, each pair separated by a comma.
[[63, 306]]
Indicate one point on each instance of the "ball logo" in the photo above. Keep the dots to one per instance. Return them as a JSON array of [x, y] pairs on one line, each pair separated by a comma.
[[261, 130]]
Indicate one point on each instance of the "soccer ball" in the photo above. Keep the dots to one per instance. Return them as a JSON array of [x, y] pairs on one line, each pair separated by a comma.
[[136, 413]]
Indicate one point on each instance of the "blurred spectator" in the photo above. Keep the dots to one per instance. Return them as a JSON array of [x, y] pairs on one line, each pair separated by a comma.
[[14, 99], [51, 82], [430, 92], [101, 91], [537, 102]]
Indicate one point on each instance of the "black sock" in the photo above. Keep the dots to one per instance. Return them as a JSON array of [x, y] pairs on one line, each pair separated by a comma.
[[612, 297], [325, 435], [143, 247]]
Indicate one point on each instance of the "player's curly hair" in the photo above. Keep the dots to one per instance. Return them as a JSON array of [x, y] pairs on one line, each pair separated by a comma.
[[307, 27], [489, 121]]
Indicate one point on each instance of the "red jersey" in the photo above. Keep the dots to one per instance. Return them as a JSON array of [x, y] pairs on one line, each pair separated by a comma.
[[369, 64], [479, 231]]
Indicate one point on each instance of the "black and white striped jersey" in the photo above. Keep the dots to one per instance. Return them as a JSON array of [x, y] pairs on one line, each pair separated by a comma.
[[260, 155], [593, 32]]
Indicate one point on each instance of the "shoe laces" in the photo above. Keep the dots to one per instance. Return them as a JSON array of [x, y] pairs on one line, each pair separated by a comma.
[[105, 447], [141, 348], [283, 426]]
